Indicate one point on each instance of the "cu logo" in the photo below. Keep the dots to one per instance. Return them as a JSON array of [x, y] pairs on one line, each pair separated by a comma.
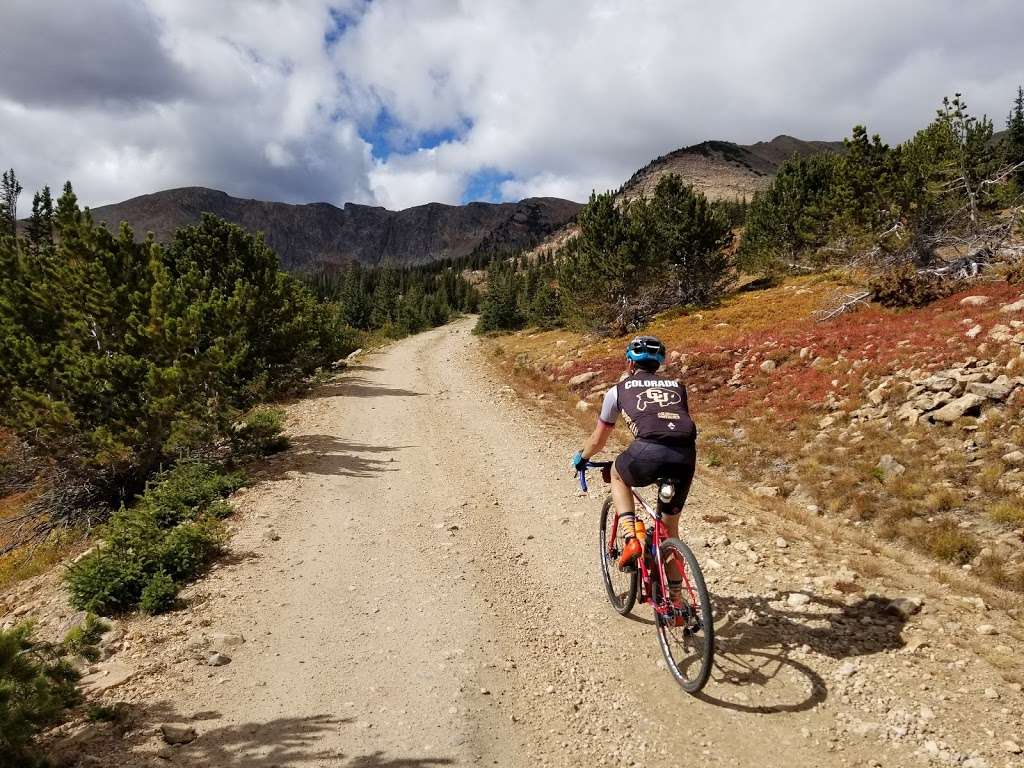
[[659, 397]]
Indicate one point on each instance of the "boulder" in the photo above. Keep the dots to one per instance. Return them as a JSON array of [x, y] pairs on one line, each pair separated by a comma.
[[905, 607], [766, 491], [975, 301], [175, 733], [582, 378], [1014, 458], [768, 366], [974, 332], [1017, 306], [106, 677], [1000, 333], [908, 412], [889, 467], [877, 395], [930, 402], [965, 405], [999, 389], [939, 383]]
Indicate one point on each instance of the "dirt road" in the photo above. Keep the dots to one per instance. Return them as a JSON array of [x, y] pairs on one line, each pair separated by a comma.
[[416, 584]]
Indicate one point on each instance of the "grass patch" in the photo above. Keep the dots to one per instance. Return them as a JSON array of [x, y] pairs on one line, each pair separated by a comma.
[[1008, 513], [946, 540]]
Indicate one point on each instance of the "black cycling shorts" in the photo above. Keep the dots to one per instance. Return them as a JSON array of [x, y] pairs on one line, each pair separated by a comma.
[[645, 462]]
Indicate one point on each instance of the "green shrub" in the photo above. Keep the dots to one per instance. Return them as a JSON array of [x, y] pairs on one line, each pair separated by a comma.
[[906, 287], [185, 550], [179, 494], [259, 433], [159, 594], [171, 533], [83, 639], [36, 686]]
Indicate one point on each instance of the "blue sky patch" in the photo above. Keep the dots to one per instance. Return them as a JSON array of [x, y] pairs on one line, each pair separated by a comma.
[[485, 186], [387, 136]]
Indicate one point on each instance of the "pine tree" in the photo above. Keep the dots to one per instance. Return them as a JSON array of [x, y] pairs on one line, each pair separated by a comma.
[[39, 231], [500, 309], [1014, 144], [10, 190]]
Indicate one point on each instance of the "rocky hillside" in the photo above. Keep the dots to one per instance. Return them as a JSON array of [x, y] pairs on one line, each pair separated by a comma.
[[904, 425], [724, 170], [721, 170], [319, 232]]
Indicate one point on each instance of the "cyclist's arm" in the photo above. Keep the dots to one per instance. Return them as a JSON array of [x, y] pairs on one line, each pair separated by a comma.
[[605, 424]]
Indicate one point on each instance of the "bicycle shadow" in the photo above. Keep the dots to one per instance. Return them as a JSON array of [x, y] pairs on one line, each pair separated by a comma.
[[765, 649]]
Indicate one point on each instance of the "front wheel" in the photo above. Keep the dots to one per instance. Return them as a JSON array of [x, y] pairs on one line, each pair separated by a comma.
[[621, 587], [686, 631]]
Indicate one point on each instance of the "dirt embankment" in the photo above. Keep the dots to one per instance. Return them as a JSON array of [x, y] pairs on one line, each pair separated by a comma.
[[415, 583]]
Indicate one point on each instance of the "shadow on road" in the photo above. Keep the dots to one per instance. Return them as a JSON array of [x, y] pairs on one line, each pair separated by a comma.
[[765, 650], [327, 455], [358, 386], [135, 739]]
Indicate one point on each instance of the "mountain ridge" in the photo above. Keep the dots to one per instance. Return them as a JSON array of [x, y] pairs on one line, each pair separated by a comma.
[[307, 234]]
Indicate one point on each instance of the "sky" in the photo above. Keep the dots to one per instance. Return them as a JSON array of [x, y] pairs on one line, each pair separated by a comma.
[[404, 102]]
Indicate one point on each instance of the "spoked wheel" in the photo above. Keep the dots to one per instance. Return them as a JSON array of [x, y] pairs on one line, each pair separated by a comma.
[[686, 631], [621, 587]]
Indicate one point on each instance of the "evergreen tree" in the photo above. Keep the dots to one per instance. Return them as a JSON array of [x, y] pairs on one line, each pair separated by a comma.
[[10, 190], [1014, 144], [686, 237], [39, 231], [500, 309]]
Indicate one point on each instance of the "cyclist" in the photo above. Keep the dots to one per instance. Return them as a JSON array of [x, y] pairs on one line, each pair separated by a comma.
[[664, 447]]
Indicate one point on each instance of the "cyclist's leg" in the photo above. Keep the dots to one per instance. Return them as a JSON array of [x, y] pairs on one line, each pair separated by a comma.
[[684, 478], [622, 497], [625, 508]]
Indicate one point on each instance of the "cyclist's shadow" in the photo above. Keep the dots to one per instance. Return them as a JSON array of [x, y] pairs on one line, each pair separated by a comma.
[[765, 649]]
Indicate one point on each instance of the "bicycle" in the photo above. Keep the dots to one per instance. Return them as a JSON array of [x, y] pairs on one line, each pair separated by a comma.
[[686, 632]]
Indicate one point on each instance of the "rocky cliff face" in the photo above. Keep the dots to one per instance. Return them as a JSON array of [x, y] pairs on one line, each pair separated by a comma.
[[303, 235]]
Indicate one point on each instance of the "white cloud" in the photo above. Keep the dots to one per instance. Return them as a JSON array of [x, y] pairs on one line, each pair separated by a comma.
[[575, 95], [246, 96], [240, 96]]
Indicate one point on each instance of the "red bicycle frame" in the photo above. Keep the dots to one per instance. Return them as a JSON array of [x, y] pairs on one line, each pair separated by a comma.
[[652, 549]]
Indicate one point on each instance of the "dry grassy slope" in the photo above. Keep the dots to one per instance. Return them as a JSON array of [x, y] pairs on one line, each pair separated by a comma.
[[795, 424]]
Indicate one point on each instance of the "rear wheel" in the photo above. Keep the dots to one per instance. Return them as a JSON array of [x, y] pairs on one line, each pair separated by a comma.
[[686, 632], [621, 587]]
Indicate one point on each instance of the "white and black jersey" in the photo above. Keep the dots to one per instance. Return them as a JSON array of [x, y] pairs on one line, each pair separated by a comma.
[[654, 409]]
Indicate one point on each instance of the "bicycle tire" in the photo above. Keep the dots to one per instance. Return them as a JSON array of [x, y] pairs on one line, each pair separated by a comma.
[[673, 639], [621, 587]]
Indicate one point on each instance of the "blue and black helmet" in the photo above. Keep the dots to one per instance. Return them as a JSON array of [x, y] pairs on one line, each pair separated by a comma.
[[646, 349]]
